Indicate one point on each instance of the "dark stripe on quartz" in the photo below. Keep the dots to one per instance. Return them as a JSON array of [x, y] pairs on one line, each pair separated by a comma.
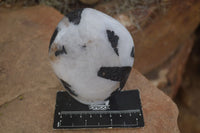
[[133, 52], [115, 73], [67, 87], [113, 39], [75, 16], [53, 37], [62, 51]]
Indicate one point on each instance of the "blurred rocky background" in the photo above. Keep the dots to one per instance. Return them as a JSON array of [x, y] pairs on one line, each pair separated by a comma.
[[167, 39]]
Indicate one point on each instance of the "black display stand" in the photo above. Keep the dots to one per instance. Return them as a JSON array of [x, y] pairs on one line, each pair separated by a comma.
[[123, 110]]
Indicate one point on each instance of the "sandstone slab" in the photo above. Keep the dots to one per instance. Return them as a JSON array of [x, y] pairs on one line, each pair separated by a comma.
[[24, 50]]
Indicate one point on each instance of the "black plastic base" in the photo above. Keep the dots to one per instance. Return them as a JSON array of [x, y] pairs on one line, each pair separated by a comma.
[[122, 111]]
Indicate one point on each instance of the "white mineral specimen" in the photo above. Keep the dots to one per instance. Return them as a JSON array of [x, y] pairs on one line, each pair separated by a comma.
[[92, 55]]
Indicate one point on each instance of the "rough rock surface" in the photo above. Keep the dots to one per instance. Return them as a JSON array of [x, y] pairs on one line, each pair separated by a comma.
[[162, 34], [28, 84], [188, 96], [24, 49], [89, 2]]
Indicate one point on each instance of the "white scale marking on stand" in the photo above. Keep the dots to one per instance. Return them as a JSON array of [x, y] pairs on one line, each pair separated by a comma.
[[124, 115]]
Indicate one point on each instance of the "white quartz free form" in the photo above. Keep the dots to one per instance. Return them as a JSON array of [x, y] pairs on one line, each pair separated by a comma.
[[92, 55]]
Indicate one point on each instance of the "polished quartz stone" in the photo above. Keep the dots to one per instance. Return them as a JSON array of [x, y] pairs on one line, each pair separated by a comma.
[[92, 55]]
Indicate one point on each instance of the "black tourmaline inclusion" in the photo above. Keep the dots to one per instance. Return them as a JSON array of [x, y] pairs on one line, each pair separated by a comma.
[[75, 16]]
